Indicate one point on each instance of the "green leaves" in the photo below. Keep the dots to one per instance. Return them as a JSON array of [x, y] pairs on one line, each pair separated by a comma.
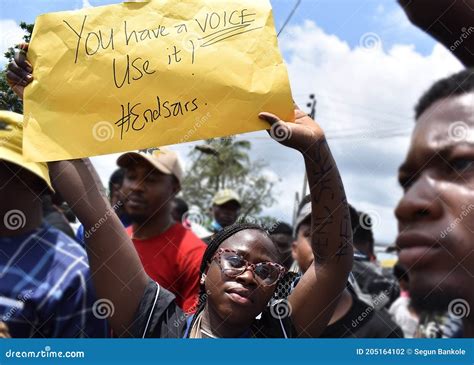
[[8, 99], [225, 163]]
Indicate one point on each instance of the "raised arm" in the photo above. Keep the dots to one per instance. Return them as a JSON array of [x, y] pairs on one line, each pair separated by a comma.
[[314, 298], [116, 269], [448, 21]]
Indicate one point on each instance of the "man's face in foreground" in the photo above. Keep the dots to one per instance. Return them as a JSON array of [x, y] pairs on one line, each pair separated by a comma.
[[436, 214]]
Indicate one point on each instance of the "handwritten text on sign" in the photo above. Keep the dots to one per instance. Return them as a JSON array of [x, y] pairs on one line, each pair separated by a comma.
[[149, 73]]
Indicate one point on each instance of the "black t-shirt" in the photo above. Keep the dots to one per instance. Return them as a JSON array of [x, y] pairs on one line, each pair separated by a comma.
[[158, 316], [363, 321]]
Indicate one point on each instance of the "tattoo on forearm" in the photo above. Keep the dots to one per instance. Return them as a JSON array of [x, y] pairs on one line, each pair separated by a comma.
[[327, 192], [345, 233]]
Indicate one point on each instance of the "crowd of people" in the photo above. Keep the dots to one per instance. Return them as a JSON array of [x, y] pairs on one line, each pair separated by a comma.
[[75, 262]]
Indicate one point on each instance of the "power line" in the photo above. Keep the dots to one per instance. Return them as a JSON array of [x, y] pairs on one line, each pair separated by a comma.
[[289, 17]]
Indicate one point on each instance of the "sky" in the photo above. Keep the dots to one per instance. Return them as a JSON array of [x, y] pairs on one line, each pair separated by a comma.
[[366, 65]]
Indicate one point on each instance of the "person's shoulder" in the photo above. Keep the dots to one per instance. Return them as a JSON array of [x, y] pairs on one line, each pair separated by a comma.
[[158, 315], [58, 238], [381, 325]]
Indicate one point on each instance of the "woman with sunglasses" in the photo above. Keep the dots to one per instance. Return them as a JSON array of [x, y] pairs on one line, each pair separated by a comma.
[[239, 271], [240, 268]]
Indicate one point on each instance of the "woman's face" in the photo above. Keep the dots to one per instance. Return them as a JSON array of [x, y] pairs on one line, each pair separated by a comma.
[[240, 299]]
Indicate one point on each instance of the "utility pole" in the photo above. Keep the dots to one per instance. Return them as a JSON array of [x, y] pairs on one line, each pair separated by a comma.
[[312, 105]]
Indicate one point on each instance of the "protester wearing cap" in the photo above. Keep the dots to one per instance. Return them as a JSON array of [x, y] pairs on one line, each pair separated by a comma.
[[42, 269], [170, 253], [225, 209]]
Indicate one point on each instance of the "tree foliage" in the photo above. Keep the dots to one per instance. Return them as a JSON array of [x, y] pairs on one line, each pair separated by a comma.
[[224, 163], [8, 99]]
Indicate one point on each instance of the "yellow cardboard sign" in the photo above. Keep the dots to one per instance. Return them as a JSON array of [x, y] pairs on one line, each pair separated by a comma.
[[138, 75]]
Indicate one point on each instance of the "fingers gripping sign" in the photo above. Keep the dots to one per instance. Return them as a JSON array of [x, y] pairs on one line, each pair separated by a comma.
[[299, 135], [19, 71]]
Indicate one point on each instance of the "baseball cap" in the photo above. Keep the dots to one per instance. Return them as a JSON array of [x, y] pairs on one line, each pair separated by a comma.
[[11, 146], [164, 160], [224, 196]]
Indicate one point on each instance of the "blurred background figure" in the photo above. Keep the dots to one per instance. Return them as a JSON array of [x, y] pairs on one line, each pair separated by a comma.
[[368, 274], [362, 234], [117, 201], [117, 197], [53, 214], [191, 218], [401, 310], [281, 234], [225, 209], [178, 209]]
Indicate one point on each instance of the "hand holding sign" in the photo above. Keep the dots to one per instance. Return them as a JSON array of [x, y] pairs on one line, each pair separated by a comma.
[[19, 71], [133, 76]]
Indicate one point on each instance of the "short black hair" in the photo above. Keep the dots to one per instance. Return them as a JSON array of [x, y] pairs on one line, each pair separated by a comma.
[[181, 205], [281, 228], [455, 85], [361, 233], [116, 179]]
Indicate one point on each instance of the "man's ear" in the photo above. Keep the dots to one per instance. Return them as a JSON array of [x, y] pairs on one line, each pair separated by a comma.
[[203, 279]]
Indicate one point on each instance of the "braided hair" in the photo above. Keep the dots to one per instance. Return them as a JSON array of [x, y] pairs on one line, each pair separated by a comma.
[[211, 249]]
